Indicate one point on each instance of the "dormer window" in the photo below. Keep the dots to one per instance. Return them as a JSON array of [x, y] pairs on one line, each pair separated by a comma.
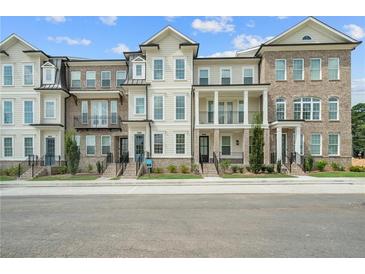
[[306, 38], [138, 68], [49, 72]]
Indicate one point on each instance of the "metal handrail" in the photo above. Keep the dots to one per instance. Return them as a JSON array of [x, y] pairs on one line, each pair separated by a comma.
[[216, 162], [201, 163], [97, 121], [232, 156]]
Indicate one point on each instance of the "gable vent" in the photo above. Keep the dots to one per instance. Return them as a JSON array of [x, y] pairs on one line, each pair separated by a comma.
[[306, 38]]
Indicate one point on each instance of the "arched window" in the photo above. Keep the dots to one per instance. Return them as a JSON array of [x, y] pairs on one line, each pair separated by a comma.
[[333, 108], [280, 109], [306, 38], [307, 108]]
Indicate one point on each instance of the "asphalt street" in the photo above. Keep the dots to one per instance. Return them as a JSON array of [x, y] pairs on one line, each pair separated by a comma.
[[216, 225]]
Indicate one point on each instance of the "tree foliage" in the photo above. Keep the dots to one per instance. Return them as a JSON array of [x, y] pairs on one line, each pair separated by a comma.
[[358, 128], [257, 147], [72, 153]]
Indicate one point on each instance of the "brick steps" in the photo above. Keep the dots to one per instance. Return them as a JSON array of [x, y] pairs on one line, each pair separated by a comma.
[[130, 171], [38, 171], [110, 170], [209, 170]]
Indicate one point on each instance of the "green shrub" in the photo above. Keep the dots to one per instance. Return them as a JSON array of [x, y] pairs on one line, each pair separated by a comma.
[[308, 163], [99, 167], [357, 169], [195, 168], [270, 168], [321, 164], [89, 168], [225, 165], [337, 167], [62, 169], [248, 168], [184, 169], [278, 167], [157, 170], [234, 168], [72, 153], [263, 168], [242, 169], [16, 170], [171, 168]]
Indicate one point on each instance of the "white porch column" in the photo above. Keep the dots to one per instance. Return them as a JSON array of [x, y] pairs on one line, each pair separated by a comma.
[[297, 144], [278, 144], [245, 107], [197, 121], [264, 107], [216, 97]]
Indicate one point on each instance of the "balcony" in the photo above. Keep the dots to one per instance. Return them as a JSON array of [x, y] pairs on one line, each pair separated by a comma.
[[228, 117], [86, 121]]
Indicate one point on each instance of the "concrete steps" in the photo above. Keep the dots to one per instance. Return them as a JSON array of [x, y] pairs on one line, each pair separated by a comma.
[[130, 171], [209, 170], [38, 171], [110, 170]]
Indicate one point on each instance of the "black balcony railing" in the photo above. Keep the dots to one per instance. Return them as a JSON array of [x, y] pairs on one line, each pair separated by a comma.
[[233, 157], [228, 117], [97, 121]]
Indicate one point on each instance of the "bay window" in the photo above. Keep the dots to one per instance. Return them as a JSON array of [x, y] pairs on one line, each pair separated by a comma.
[[50, 109]]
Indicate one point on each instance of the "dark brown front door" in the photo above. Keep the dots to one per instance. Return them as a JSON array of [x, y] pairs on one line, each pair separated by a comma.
[[204, 149]]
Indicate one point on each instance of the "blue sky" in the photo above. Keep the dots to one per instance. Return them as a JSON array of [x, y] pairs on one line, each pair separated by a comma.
[[106, 37]]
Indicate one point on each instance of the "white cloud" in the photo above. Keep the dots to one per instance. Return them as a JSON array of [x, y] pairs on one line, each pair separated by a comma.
[[282, 17], [214, 24], [109, 20], [70, 41], [227, 53], [56, 19], [251, 24], [354, 31], [244, 41], [358, 91], [120, 48], [170, 18]]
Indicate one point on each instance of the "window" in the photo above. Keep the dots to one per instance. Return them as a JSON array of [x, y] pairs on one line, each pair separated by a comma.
[[50, 109], [158, 107], [48, 75], [84, 112], [333, 109], [221, 113], [90, 79], [180, 143], [180, 107], [121, 75], [316, 146], [77, 139], [139, 69], [280, 109], [306, 38], [139, 103], [158, 143], [333, 144], [8, 146], [105, 145], [158, 69], [298, 69], [203, 76], [248, 76], [225, 76], [28, 146], [333, 68], [226, 145], [28, 74], [114, 112], [210, 112], [307, 108], [8, 112], [241, 112], [8, 75], [90, 145], [105, 79], [75, 79], [280, 69], [315, 69], [28, 112], [180, 69]]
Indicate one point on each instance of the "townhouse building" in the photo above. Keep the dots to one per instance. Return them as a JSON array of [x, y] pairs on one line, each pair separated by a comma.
[[167, 103]]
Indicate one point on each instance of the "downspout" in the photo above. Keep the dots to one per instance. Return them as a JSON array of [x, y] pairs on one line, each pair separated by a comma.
[[259, 72], [149, 123]]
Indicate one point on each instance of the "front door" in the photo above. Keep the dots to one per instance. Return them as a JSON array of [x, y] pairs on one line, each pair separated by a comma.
[[138, 146], [284, 147], [50, 151], [123, 149], [204, 149]]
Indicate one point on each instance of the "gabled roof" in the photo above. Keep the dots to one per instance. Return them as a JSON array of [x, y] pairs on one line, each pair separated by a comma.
[[15, 36], [138, 59], [163, 31], [48, 64]]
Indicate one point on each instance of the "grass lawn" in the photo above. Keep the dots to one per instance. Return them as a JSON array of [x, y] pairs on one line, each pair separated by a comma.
[[7, 178], [240, 175], [337, 174], [169, 176], [67, 177]]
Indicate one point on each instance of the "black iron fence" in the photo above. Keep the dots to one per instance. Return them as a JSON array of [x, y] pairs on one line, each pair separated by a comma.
[[97, 121]]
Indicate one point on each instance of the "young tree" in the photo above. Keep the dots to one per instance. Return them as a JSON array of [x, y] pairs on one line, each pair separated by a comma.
[[257, 147], [358, 128], [72, 153]]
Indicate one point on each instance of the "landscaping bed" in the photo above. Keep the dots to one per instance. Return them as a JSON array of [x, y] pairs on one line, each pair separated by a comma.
[[155, 176], [4, 178], [260, 175], [337, 174], [67, 177]]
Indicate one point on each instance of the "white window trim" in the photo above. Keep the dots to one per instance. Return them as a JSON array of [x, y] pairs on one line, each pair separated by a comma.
[[285, 70], [135, 105], [143, 70], [73, 72], [253, 74], [185, 112], [302, 59], [101, 78], [185, 139], [101, 144], [163, 107], [153, 69], [311, 113], [320, 68], [12, 146], [180, 58], [116, 76], [163, 143], [28, 64], [53, 73], [12, 73], [338, 70], [27, 136], [86, 145], [338, 108], [276, 104], [338, 145], [230, 144], [54, 111], [12, 111], [220, 74], [27, 100], [320, 144], [86, 78], [204, 68]]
